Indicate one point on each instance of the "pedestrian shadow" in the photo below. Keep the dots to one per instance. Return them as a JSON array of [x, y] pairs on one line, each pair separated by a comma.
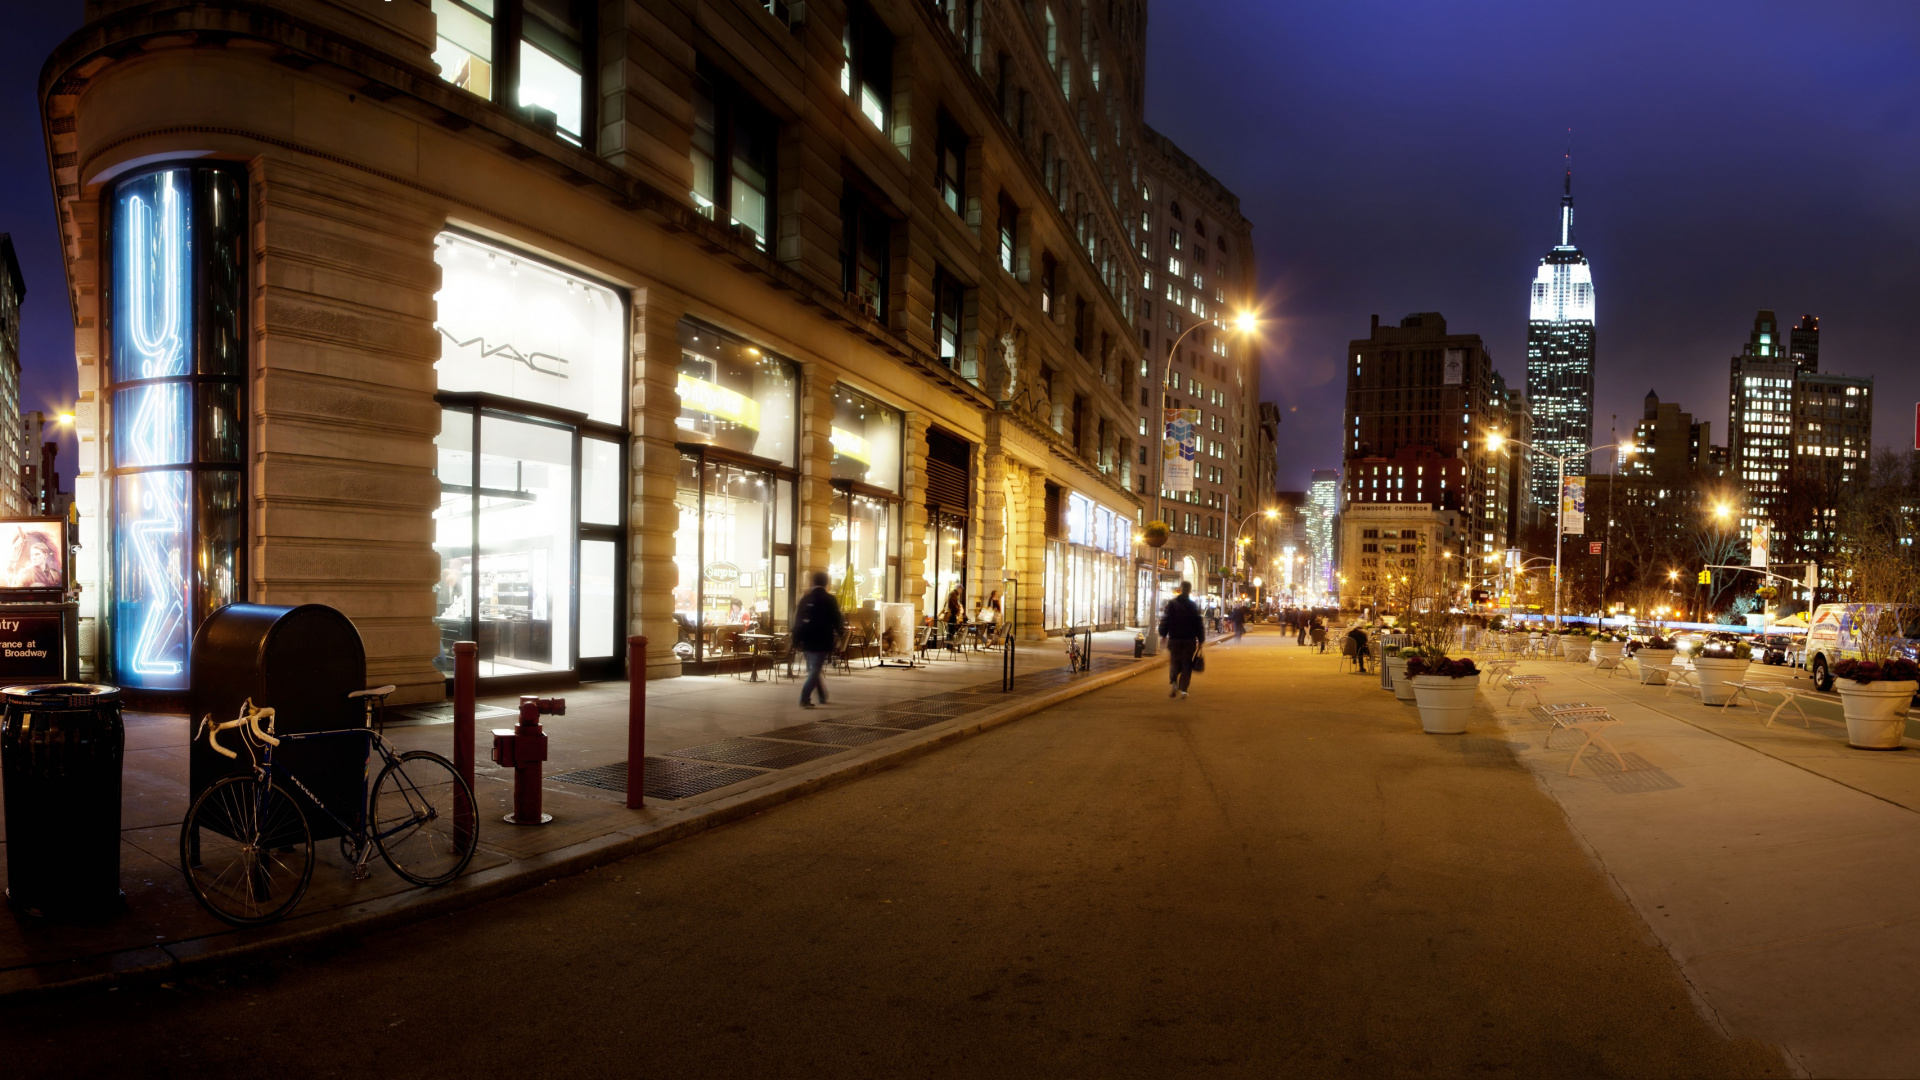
[[1639, 777]]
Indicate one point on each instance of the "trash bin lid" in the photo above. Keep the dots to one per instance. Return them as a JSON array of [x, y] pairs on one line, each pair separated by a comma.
[[60, 695]]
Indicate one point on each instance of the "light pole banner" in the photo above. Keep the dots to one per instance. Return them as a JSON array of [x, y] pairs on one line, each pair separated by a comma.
[[1573, 506], [1762, 535], [1178, 448]]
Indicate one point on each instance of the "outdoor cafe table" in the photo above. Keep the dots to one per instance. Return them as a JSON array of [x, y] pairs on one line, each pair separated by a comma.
[[754, 641]]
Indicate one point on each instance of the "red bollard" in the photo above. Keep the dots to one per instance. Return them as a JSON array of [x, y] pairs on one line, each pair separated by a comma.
[[636, 722], [466, 672], [522, 748]]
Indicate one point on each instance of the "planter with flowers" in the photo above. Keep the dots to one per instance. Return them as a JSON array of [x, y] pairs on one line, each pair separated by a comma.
[[1652, 660], [1720, 665], [1577, 645], [1875, 697], [1396, 668], [1444, 691], [1608, 645]]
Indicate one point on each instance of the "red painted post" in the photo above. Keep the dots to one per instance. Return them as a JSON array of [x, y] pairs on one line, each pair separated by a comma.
[[466, 672], [636, 722]]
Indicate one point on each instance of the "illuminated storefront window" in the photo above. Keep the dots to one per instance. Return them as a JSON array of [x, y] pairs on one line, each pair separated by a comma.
[[733, 547], [1087, 574], [173, 428], [531, 461], [864, 558]]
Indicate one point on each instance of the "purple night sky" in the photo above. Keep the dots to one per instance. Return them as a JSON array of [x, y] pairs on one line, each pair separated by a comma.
[[1405, 155]]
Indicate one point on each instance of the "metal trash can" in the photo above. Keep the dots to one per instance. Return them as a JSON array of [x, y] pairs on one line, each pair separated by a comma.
[[61, 747]]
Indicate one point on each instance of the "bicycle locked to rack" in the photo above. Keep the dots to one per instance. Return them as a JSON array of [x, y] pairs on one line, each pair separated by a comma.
[[246, 845]]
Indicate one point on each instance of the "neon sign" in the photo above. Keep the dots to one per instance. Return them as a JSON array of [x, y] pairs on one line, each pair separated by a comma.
[[151, 426]]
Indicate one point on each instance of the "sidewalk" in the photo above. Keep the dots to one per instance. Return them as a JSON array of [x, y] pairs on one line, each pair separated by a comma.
[[718, 748], [1774, 863]]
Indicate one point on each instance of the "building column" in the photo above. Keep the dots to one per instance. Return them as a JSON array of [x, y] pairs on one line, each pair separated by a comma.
[[913, 516], [652, 469], [813, 537], [1031, 556], [992, 516]]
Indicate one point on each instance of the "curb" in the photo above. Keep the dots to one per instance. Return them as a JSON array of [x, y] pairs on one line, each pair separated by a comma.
[[153, 963]]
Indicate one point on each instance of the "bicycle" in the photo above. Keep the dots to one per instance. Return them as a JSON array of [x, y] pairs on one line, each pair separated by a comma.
[[246, 846]]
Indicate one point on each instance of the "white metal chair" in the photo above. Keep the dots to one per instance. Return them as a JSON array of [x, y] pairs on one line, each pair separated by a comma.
[[1589, 720], [1525, 684], [1788, 696]]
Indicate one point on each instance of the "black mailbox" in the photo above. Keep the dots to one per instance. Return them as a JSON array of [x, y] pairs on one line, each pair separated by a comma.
[[302, 662]]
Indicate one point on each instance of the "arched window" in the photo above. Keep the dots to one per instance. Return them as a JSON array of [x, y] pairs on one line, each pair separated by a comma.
[[1174, 209]]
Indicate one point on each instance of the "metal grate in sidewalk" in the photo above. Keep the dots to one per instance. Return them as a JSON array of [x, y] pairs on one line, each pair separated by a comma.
[[667, 778], [834, 734], [760, 753]]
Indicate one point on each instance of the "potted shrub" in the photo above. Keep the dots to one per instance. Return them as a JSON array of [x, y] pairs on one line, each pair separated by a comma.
[[1444, 691], [1607, 645], [1652, 659], [1719, 664], [1396, 667], [1577, 645], [1875, 697]]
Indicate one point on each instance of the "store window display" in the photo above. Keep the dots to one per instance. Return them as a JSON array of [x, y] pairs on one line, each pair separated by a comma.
[[863, 560]]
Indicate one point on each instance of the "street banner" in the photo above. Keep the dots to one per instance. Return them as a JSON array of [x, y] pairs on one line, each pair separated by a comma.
[[1762, 533], [1455, 366], [1177, 449], [1593, 548], [1513, 558], [1573, 506]]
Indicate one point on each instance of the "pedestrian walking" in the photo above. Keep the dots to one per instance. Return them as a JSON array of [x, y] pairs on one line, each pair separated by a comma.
[[1357, 641], [1318, 631], [1182, 626], [816, 630], [1239, 622]]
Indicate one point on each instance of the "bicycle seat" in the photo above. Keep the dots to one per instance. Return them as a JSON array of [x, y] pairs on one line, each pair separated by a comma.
[[378, 691]]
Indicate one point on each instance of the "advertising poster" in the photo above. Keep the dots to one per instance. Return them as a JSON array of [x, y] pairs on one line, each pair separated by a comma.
[[30, 555], [1456, 365], [896, 633], [1573, 506], [1178, 449]]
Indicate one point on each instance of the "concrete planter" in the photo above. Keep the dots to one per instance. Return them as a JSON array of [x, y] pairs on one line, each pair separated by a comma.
[[1577, 648], [1444, 702], [1876, 712], [1397, 671], [1714, 673], [1608, 650], [1646, 661]]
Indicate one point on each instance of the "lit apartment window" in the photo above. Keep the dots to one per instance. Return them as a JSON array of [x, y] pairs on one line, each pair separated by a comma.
[[1049, 273], [866, 67], [948, 303], [1009, 224], [1053, 38], [733, 154], [539, 74], [950, 161]]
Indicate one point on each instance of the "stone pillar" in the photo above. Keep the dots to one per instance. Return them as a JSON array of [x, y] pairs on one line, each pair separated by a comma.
[[342, 417], [813, 538], [991, 505], [652, 468], [913, 517], [1031, 555], [88, 495]]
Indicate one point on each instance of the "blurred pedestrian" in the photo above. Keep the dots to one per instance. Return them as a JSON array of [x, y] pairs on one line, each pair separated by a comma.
[[816, 630], [1182, 626]]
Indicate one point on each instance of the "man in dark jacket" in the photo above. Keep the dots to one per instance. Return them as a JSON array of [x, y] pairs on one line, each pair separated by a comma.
[[1183, 628], [816, 629]]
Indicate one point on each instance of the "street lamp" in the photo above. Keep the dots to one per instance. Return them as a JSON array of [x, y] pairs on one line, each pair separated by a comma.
[[1239, 538], [1495, 441], [1244, 323]]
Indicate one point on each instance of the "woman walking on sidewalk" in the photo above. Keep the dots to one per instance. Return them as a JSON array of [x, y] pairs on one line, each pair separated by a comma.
[[1183, 628]]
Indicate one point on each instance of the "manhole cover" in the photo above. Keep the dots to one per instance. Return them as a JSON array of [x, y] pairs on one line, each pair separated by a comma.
[[757, 752], [605, 777], [830, 733], [914, 721], [864, 717], [667, 778]]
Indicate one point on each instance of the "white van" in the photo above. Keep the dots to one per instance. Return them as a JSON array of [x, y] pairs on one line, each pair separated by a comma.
[[1835, 632]]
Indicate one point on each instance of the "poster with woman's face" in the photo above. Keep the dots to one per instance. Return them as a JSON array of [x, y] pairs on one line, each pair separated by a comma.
[[30, 555]]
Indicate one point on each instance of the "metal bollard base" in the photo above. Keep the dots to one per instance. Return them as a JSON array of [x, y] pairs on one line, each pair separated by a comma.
[[514, 819]]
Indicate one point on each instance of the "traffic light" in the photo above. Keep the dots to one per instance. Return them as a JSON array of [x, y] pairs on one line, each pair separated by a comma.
[[1706, 577]]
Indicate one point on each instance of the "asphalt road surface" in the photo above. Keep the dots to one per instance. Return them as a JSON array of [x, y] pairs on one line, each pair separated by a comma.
[[1279, 876]]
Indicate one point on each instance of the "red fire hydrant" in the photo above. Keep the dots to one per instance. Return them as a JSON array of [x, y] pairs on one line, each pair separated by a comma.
[[522, 748]]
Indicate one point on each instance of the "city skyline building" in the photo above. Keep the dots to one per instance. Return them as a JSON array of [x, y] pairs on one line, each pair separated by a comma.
[[1322, 513], [1560, 355]]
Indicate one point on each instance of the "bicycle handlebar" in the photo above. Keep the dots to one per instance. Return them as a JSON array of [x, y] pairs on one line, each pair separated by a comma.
[[249, 718]]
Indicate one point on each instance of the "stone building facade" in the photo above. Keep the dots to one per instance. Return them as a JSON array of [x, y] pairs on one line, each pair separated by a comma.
[[544, 322], [1197, 251]]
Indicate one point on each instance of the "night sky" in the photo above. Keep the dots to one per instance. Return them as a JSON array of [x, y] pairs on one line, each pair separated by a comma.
[[1398, 156]]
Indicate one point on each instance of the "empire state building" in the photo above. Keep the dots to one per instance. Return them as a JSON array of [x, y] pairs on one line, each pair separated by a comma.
[[1560, 358]]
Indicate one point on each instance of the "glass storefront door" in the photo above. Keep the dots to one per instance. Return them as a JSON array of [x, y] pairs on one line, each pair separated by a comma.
[[946, 562], [733, 558], [524, 572]]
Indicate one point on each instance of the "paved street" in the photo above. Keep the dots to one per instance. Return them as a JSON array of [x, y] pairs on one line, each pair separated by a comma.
[[1278, 876]]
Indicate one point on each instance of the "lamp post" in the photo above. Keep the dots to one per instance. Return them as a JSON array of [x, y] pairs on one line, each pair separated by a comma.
[[1495, 441], [1244, 323], [1239, 537]]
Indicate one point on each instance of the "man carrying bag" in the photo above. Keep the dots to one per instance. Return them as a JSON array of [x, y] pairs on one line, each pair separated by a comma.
[[1184, 629]]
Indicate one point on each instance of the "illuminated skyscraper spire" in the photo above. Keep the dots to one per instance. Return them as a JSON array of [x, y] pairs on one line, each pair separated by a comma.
[[1560, 336]]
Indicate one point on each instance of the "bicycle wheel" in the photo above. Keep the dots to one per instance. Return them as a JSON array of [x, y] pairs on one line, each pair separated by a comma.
[[247, 851], [424, 818]]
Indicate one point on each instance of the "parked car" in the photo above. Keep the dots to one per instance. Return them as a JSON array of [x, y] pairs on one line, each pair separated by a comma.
[[1837, 633], [1778, 649]]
